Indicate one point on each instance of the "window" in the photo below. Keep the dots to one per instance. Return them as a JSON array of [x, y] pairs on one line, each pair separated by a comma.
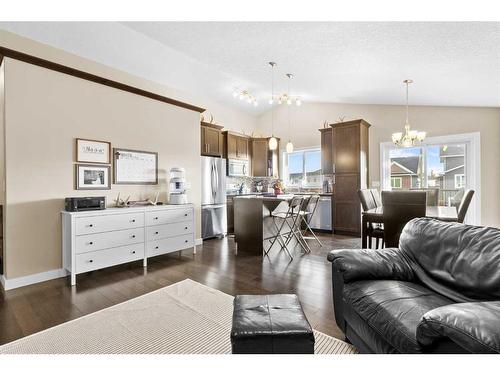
[[448, 163], [302, 168], [396, 182], [459, 181]]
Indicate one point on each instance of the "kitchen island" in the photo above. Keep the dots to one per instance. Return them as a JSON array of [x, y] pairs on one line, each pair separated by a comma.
[[253, 222]]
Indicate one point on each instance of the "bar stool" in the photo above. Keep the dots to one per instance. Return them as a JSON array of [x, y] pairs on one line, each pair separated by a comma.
[[307, 214], [280, 219]]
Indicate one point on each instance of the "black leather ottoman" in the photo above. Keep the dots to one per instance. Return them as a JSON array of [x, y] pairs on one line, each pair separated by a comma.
[[270, 324]]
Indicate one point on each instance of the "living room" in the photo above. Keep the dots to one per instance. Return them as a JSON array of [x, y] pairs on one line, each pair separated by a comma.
[[192, 186]]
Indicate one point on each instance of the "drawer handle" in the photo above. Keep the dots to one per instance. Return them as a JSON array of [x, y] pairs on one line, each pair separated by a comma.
[[133, 252], [133, 220], [91, 225], [91, 243], [156, 232], [133, 236], [156, 218], [185, 227], [185, 214], [91, 261], [156, 247], [186, 241]]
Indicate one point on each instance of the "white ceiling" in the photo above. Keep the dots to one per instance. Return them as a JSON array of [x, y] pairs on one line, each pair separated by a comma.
[[456, 64]]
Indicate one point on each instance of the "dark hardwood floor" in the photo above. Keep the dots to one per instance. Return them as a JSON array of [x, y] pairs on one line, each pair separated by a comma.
[[36, 307]]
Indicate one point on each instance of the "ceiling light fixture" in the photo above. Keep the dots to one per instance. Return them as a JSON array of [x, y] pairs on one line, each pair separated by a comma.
[[273, 142], [245, 95], [289, 145], [410, 137]]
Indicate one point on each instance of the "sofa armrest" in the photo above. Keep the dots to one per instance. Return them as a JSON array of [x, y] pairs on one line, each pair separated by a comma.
[[475, 326], [366, 264]]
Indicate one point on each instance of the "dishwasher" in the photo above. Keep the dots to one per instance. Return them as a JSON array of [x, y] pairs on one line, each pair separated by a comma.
[[322, 218]]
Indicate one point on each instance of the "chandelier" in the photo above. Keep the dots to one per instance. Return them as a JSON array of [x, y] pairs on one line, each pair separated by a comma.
[[246, 96], [410, 137]]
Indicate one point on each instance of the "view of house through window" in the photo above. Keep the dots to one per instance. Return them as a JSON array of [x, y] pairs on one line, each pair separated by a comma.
[[303, 168], [440, 166]]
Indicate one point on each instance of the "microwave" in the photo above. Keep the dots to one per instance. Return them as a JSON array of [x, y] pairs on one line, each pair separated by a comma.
[[238, 168]]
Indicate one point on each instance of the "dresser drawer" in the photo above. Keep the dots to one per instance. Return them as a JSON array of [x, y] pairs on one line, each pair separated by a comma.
[[109, 257], [168, 245], [158, 232], [106, 223], [98, 241], [169, 216]]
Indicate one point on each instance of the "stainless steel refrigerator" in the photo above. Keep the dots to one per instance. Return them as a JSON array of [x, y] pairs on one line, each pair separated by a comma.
[[213, 197]]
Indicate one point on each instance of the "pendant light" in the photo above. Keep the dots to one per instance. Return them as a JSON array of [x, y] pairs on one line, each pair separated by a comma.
[[289, 145], [273, 142], [410, 137]]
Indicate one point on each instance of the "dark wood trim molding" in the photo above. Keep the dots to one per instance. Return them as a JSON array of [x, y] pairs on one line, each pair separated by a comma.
[[6, 52], [215, 126]]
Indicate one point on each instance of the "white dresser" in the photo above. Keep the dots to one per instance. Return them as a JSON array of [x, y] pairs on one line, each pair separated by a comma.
[[97, 239]]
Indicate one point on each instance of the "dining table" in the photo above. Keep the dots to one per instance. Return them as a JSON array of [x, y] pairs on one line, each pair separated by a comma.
[[376, 215]]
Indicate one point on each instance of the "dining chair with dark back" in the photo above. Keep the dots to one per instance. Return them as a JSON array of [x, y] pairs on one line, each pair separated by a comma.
[[464, 205], [375, 230], [376, 197], [432, 195], [399, 208]]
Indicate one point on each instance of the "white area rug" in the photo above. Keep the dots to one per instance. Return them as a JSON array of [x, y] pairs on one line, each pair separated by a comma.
[[183, 318]]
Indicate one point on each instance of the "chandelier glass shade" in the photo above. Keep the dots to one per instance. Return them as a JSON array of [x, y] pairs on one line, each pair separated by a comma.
[[245, 95], [273, 142], [409, 137]]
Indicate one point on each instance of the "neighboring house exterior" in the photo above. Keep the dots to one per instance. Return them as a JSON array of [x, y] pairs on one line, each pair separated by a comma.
[[453, 160], [313, 178], [405, 172]]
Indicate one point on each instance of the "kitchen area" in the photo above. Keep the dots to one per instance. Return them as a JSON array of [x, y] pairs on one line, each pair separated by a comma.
[[236, 165]]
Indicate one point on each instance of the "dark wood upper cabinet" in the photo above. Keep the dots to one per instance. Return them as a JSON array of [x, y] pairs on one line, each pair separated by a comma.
[[326, 151], [211, 139], [265, 162], [237, 146], [344, 152]]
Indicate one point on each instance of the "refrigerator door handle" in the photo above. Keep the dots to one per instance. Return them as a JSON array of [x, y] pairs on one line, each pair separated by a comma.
[[213, 182], [216, 181]]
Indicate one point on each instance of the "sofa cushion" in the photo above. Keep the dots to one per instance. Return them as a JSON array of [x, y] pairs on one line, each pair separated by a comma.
[[459, 261], [393, 309]]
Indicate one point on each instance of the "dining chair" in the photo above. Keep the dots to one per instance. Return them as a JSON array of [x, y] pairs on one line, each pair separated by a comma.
[[307, 214], [376, 197], [464, 205], [399, 208], [375, 230], [432, 195]]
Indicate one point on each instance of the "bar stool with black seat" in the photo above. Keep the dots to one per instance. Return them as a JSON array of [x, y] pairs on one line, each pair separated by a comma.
[[375, 230], [290, 218], [307, 213]]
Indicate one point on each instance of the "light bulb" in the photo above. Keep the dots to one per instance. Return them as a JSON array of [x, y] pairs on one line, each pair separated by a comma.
[[273, 143], [407, 142], [289, 101], [289, 147], [396, 137], [235, 94], [255, 103], [271, 101], [298, 102], [421, 136], [249, 100], [241, 96]]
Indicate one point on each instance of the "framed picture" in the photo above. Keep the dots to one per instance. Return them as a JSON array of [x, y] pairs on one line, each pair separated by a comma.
[[132, 167], [91, 151], [93, 177]]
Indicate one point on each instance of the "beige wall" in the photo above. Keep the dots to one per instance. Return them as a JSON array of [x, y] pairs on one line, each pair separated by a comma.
[[47, 110], [437, 121]]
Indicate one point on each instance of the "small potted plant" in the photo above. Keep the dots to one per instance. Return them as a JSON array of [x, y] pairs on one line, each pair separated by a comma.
[[278, 187]]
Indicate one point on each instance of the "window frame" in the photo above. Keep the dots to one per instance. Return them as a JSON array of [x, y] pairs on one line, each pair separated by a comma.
[[462, 176], [472, 166], [400, 179], [284, 168]]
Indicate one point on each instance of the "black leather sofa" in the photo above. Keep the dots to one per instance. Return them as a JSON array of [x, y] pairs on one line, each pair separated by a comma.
[[439, 292]]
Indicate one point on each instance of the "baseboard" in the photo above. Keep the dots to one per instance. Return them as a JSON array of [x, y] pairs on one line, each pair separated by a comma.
[[18, 282], [198, 241]]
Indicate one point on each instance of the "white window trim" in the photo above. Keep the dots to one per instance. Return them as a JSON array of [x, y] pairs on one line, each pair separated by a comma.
[[284, 165], [472, 166], [458, 175], [400, 179]]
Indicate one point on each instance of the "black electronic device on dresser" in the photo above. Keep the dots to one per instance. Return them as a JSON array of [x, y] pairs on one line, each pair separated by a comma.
[[84, 204]]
